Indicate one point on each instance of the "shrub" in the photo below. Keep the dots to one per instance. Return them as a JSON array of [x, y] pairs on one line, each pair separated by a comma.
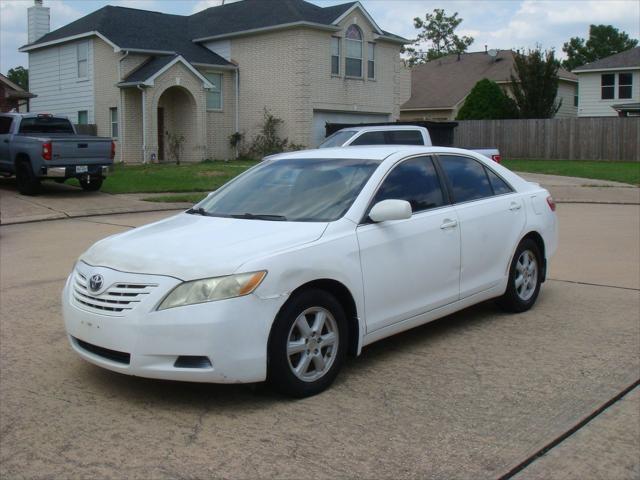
[[267, 141], [487, 101]]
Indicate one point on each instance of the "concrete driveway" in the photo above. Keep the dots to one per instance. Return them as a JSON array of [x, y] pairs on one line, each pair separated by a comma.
[[479, 394]]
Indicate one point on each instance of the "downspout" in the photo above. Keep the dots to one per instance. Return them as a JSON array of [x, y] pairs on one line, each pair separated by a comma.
[[144, 123], [237, 107]]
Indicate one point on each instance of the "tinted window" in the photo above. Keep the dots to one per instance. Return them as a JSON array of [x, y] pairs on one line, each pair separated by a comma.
[[415, 181], [370, 138], [5, 125], [467, 177], [337, 139], [45, 125], [404, 137], [500, 187]]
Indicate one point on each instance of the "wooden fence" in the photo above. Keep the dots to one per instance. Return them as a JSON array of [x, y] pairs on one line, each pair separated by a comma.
[[604, 138]]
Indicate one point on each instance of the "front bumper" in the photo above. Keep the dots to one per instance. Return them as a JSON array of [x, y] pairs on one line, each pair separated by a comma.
[[232, 334], [71, 171]]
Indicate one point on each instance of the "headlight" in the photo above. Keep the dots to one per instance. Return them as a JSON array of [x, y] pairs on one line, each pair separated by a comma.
[[210, 289]]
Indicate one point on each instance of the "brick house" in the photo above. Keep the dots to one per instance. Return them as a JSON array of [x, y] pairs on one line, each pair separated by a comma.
[[139, 75]]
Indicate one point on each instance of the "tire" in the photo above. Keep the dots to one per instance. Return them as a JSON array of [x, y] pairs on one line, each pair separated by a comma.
[[316, 358], [28, 183], [525, 278], [91, 186]]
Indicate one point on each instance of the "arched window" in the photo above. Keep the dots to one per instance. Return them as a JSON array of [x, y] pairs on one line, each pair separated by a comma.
[[353, 54]]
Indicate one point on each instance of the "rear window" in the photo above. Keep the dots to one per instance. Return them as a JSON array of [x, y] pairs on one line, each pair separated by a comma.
[[45, 125], [404, 137], [370, 138]]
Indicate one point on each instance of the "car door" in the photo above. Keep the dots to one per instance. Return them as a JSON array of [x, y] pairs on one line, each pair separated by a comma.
[[410, 266], [491, 216], [5, 137]]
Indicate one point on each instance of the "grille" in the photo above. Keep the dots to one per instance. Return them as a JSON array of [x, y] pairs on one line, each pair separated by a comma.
[[118, 299], [113, 355]]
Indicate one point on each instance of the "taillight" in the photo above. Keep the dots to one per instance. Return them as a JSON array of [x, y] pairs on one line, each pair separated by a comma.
[[496, 158], [551, 203], [113, 150], [47, 151]]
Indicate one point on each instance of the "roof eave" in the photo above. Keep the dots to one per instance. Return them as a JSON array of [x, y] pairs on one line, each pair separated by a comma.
[[358, 6], [255, 31], [397, 40], [92, 33], [608, 69]]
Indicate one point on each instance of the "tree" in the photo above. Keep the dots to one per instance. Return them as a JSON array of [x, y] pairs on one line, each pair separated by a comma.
[[19, 76], [604, 40], [439, 30], [535, 83], [487, 101]]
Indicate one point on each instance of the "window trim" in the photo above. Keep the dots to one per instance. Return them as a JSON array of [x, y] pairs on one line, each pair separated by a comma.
[[112, 123], [346, 57], [332, 56], [221, 75], [373, 61], [364, 220], [78, 60]]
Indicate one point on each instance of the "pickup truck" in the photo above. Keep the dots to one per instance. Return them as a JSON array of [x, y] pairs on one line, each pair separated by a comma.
[[391, 135], [34, 147]]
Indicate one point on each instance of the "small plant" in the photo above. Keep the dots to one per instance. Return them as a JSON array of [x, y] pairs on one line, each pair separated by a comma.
[[268, 142], [176, 142]]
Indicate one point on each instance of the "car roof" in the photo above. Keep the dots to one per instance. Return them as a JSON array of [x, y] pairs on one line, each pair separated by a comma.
[[383, 127], [373, 152]]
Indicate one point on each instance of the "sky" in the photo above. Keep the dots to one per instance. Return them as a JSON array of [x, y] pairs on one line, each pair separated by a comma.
[[499, 24]]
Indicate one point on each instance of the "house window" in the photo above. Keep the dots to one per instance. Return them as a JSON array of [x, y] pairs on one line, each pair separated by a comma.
[[335, 56], [575, 97], [83, 59], [113, 116], [625, 83], [214, 95], [371, 63], [83, 117], [353, 52], [608, 84]]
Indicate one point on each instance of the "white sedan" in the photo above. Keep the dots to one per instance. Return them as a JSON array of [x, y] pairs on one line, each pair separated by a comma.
[[308, 257]]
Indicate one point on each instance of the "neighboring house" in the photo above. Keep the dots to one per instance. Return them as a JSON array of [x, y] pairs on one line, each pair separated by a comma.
[[610, 87], [13, 97], [440, 87], [138, 74]]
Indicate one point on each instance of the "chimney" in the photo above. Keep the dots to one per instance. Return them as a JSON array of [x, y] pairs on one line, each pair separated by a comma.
[[485, 49], [39, 21]]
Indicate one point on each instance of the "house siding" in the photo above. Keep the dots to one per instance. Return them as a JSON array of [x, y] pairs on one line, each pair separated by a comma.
[[590, 103], [107, 94], [566, 93], [53, 77]]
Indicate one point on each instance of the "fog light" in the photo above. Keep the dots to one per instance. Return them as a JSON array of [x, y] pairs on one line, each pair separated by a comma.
[[190, 361]]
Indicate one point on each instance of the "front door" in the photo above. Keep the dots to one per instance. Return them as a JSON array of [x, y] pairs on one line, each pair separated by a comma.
[[410, 266], [160, 134]]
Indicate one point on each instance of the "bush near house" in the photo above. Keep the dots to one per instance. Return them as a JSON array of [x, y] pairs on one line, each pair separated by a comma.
[[487, 101]]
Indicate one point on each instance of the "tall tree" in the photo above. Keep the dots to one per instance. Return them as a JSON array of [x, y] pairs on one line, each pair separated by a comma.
[[438, 31], [535, 83], [604, 40], [487, 101], [19, 76]]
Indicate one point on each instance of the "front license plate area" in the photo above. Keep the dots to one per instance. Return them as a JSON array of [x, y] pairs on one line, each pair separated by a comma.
[[82, 169]]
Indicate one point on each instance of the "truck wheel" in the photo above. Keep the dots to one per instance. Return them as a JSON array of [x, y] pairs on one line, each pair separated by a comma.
[[91, 186], [28, 183]]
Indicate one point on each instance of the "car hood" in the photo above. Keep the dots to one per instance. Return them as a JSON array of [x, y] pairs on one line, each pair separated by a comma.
[[189, 247]]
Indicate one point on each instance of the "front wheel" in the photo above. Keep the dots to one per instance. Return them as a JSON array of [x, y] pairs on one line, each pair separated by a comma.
[[91, 184], [525, 278], [308, 344]]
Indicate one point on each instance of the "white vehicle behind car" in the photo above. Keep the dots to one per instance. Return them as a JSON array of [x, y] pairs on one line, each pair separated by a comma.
[[391, 135], [307, 257]]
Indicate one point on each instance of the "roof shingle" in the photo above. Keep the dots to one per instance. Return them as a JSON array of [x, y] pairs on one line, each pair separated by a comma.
[[626, 59]]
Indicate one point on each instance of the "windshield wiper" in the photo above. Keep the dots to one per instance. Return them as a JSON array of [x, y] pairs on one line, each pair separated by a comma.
[[254, 216], [198, 211]]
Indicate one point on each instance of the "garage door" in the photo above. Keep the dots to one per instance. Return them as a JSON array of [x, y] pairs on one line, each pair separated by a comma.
[[321, 118]]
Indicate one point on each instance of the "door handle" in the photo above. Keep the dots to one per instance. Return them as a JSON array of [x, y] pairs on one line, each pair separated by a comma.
[[447, 223], [515, 206]]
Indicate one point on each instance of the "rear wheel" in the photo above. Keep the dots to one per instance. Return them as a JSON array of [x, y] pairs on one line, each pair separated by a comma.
[[91, 184], [525, 278], [28, 183], [308, 344]]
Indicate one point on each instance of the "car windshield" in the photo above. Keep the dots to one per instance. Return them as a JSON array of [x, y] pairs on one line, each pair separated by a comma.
[[337, 139], [45, 124], [295, 190]]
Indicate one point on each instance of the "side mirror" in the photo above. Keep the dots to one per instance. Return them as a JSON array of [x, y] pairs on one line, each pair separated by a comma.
[[390, 210]]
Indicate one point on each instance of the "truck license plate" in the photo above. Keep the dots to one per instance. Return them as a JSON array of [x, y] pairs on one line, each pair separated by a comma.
[[82, 169]]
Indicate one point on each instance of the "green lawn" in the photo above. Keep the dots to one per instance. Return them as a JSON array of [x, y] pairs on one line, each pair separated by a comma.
[[627, 172], [158, 178]]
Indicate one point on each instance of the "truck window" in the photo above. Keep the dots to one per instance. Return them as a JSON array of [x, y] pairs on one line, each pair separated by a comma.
[[404, 137], [370, 138], [5, 125], [45, 125]]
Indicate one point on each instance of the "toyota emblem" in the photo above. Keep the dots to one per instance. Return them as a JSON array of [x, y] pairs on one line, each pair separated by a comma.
[[95, 282]]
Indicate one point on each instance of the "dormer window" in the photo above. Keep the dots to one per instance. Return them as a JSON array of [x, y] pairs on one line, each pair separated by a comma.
[[353, 53]]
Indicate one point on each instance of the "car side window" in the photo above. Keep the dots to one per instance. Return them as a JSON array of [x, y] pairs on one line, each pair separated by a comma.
[[468, 178], [404, 137], [416, 181], [500, 187], [5, 125], [370, 138]]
